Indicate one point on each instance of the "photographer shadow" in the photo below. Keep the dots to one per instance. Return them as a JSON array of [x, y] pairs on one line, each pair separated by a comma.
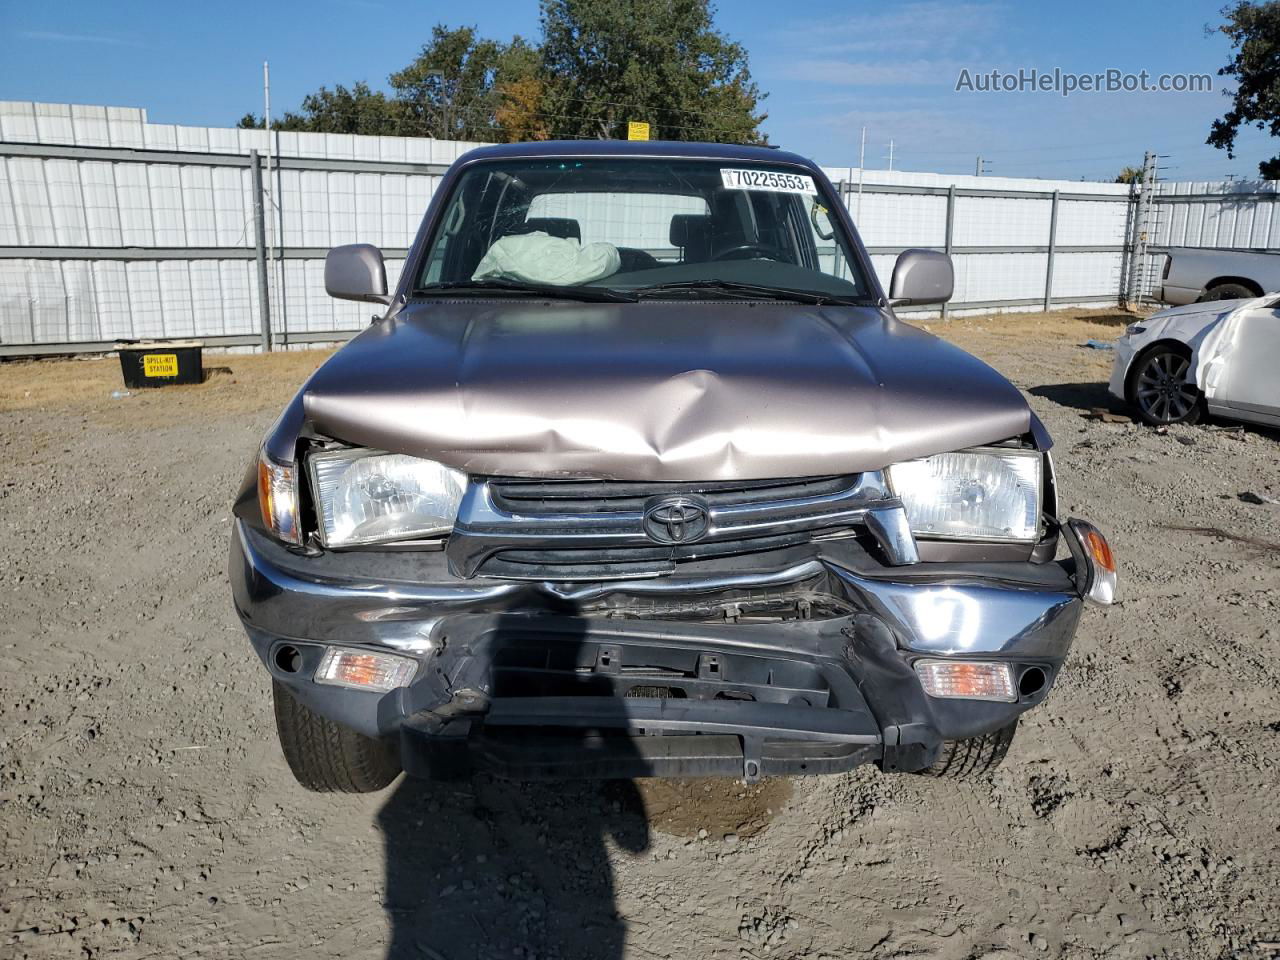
[[486, 867]]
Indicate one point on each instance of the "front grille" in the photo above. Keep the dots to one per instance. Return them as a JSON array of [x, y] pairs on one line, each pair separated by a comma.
[[613, 496], [617, 563], [587, 530]]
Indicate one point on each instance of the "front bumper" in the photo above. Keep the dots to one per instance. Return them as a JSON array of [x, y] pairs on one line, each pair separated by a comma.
[[1124, 352], [530, 680]]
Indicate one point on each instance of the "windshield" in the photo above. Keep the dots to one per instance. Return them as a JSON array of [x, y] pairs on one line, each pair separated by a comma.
[[609, 228]]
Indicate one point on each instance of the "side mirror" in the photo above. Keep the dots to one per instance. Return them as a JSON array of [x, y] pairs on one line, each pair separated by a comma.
[[921, 276], [356, 272]]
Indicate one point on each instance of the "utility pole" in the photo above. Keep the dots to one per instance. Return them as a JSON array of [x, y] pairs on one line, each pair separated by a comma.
[[260, 251], [862, 162], [981, 167], [272, 195], [891, 154]]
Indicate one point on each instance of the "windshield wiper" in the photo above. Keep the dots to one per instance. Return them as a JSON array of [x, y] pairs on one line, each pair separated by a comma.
[[522, 288], [734, 289]]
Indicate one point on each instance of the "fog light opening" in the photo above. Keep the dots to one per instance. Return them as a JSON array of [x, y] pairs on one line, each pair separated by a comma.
[[288, 659], [1032, 681]]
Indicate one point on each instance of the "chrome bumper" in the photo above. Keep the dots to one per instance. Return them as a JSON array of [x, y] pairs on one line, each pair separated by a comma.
[[525, 678], [280, 594]]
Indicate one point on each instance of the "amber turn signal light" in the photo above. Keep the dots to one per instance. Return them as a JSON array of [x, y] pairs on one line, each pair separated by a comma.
[[363, 670], [278, 499], [1100, 550], [1095, 563], [967, 680]]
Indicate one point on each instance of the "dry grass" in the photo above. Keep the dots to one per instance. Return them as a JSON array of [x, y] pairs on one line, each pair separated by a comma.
[[1077, 325], [1030, 344], [234, 383]]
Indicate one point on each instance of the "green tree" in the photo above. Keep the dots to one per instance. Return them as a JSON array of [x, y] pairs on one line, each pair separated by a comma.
[[453, 88], [1129, 175], [606, 62], [1254, 30], [340, 110], [520, 115], [601, 63]]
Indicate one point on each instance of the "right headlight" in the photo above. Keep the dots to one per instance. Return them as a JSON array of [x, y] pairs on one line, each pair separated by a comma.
[[365, 496], [983, 494]]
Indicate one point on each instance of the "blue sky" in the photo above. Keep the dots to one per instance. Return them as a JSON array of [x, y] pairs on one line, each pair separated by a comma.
[[830, 66]]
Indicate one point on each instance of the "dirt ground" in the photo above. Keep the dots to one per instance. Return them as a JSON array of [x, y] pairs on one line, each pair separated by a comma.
[[147, 812]]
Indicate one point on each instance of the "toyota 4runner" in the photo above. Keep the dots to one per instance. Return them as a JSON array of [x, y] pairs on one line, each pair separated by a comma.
[[638, 474]]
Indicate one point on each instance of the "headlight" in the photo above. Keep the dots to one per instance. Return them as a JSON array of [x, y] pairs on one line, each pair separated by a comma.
[[1133, 329], [987, 494], [363, 496]]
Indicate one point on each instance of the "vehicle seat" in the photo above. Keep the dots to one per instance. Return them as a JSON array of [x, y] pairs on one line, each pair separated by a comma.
[[691, 232]]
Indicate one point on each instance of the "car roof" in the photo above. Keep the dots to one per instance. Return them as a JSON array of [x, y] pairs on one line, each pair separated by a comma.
[[681, 149]]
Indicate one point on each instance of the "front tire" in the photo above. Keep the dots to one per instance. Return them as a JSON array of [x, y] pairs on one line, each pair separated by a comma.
[[327, 757], [1158, 389], [973, 757]]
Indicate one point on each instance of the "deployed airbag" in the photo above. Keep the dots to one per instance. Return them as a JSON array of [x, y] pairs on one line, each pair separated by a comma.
[[541, 258]]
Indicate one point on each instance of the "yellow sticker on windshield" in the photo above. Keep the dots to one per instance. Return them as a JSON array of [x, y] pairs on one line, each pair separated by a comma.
[[772, 180]]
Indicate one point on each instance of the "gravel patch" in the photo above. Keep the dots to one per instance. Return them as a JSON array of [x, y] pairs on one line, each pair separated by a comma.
[[147, 812]]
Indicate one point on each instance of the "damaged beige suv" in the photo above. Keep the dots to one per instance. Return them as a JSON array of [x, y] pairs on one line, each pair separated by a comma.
[[639, 475]]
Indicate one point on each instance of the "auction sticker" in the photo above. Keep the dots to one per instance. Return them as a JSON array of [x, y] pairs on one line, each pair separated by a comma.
[[767, 180]]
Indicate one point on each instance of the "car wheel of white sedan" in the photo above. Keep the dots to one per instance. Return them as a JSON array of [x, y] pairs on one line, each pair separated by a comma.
[[1158, 387]]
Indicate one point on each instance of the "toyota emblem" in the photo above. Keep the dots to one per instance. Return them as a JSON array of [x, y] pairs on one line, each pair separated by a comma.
[[676, 520]]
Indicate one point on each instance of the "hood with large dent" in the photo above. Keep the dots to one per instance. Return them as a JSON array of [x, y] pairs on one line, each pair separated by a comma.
[[658, 391]]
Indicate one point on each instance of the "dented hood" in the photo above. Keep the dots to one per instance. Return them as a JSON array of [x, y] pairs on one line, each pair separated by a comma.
[[658, 390]]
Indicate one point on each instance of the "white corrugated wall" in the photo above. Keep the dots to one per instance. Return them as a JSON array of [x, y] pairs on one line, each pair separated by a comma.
[[128, 202]]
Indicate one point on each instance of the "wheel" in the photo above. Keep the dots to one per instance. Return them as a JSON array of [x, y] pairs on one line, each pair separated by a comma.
[[327, 757], [1227, 291], [1158, 387], [972, 758]]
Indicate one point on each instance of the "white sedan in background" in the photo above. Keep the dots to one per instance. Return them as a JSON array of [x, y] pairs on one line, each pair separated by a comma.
[[1221, 357]]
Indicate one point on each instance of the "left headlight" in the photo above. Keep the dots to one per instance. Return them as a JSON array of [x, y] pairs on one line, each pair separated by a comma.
[[363, 496], [984, 494]]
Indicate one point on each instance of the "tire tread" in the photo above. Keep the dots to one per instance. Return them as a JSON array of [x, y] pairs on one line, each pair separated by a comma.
[[327, 757], [973, 757]]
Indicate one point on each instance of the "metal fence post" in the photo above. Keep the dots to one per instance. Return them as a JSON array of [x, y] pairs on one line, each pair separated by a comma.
[[260, 249], [1053, 242], [950, 230]]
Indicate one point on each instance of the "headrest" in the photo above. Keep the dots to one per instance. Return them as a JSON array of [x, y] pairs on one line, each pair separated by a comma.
[[689, 229], [562, 227]]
